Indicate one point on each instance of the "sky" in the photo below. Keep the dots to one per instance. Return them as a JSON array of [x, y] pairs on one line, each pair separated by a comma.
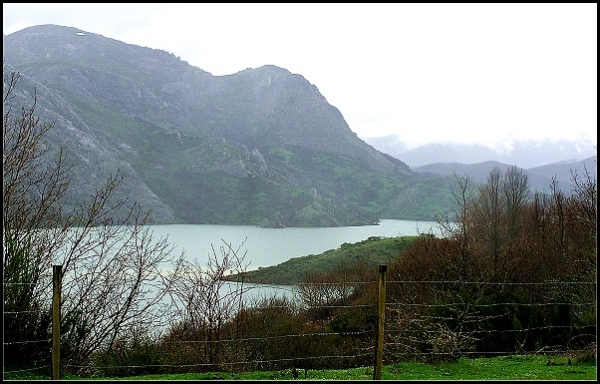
[[484, 74]]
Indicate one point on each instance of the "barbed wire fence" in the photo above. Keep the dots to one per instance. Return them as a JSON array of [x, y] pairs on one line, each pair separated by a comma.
[[419, 323], [20, 346], [448, 330]]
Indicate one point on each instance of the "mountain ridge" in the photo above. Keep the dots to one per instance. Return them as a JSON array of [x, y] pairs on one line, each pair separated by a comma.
[[539, 178], [260, 147], [522, 153]]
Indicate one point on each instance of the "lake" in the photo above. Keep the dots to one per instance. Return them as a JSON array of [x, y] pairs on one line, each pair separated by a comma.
[[271, 246]]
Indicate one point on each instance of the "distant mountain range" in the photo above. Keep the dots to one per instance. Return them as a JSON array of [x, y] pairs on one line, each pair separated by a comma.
[[539, 178], [259, 147], [524, 154], [561, 160]]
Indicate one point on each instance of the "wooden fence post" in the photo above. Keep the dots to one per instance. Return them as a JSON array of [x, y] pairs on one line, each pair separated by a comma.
[[380, 323], [56, 285]]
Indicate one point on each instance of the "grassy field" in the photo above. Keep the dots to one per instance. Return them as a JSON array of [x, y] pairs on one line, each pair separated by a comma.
[[496, 368]]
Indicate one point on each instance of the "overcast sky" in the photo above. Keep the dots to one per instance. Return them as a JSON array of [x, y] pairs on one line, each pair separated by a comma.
[[466, 73]]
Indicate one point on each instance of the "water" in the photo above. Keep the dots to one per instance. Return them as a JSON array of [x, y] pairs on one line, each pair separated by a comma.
[[272, 246]]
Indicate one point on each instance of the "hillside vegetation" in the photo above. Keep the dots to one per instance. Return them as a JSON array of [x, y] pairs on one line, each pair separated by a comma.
[[258, 147], [369, 254]]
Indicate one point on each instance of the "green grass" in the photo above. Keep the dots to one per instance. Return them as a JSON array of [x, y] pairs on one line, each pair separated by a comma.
[[517, 367], [370, 252]]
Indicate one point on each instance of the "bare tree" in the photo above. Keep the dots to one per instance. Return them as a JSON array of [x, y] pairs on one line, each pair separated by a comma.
[[32, 189], [206, 301], [549, 240], [487, 211], [113, 269], [460, 227]]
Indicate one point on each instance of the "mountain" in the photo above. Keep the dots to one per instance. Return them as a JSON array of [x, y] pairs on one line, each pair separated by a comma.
[[524, 154], [539, 178], [565, 171], [260, 147]]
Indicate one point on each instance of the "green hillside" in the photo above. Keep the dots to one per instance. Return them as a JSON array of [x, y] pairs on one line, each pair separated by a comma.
[[258, 147], [370, 253]]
